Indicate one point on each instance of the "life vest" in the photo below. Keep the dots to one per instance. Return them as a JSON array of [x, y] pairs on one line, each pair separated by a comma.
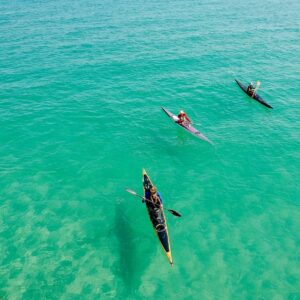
[[182, 117]]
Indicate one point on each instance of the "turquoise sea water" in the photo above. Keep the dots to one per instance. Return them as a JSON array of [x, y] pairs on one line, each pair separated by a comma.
[[81, 86]]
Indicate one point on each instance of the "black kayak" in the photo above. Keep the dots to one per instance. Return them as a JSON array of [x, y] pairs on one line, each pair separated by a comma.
[[255, 97], [157, 218]]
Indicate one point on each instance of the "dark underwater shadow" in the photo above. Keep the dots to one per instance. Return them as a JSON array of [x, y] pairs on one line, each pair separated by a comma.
[[126, 248], [182, 136]]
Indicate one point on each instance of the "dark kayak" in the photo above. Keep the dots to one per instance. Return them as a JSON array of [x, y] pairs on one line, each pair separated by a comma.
[[187, 127], [255, 97], [157, 218]]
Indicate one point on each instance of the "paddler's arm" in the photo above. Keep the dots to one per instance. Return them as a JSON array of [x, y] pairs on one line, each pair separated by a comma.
[[188, 119]]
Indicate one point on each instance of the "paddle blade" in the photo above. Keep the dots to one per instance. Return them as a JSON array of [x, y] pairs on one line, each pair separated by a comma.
[[174, 212], [257, 85], [131, 192]]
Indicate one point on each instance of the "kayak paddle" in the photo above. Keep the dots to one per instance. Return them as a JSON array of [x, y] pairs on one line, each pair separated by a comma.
[[172, 211], [256, 88], [197, 124]]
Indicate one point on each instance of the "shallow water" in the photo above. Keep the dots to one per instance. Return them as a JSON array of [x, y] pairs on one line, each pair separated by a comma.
[[81, 88]]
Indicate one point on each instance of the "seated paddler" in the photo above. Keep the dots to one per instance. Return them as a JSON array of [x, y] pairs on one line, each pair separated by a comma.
[[251, 89], [183, 118], [154, 196]]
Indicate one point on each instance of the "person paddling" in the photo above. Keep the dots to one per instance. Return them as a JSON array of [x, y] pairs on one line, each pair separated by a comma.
[[154, 196], [183, 118], [251, 89]]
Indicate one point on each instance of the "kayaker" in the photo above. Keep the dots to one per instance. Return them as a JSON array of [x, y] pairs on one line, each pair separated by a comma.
[[154, 196], [183, 118], [251, 89]]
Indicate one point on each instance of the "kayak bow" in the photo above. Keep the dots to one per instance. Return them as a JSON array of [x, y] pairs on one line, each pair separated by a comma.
[[157, 218], [255, 97]]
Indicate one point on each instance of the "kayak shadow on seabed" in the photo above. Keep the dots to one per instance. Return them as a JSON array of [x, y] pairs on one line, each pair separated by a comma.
[[126, 248], [132, 262], [182, 137]]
